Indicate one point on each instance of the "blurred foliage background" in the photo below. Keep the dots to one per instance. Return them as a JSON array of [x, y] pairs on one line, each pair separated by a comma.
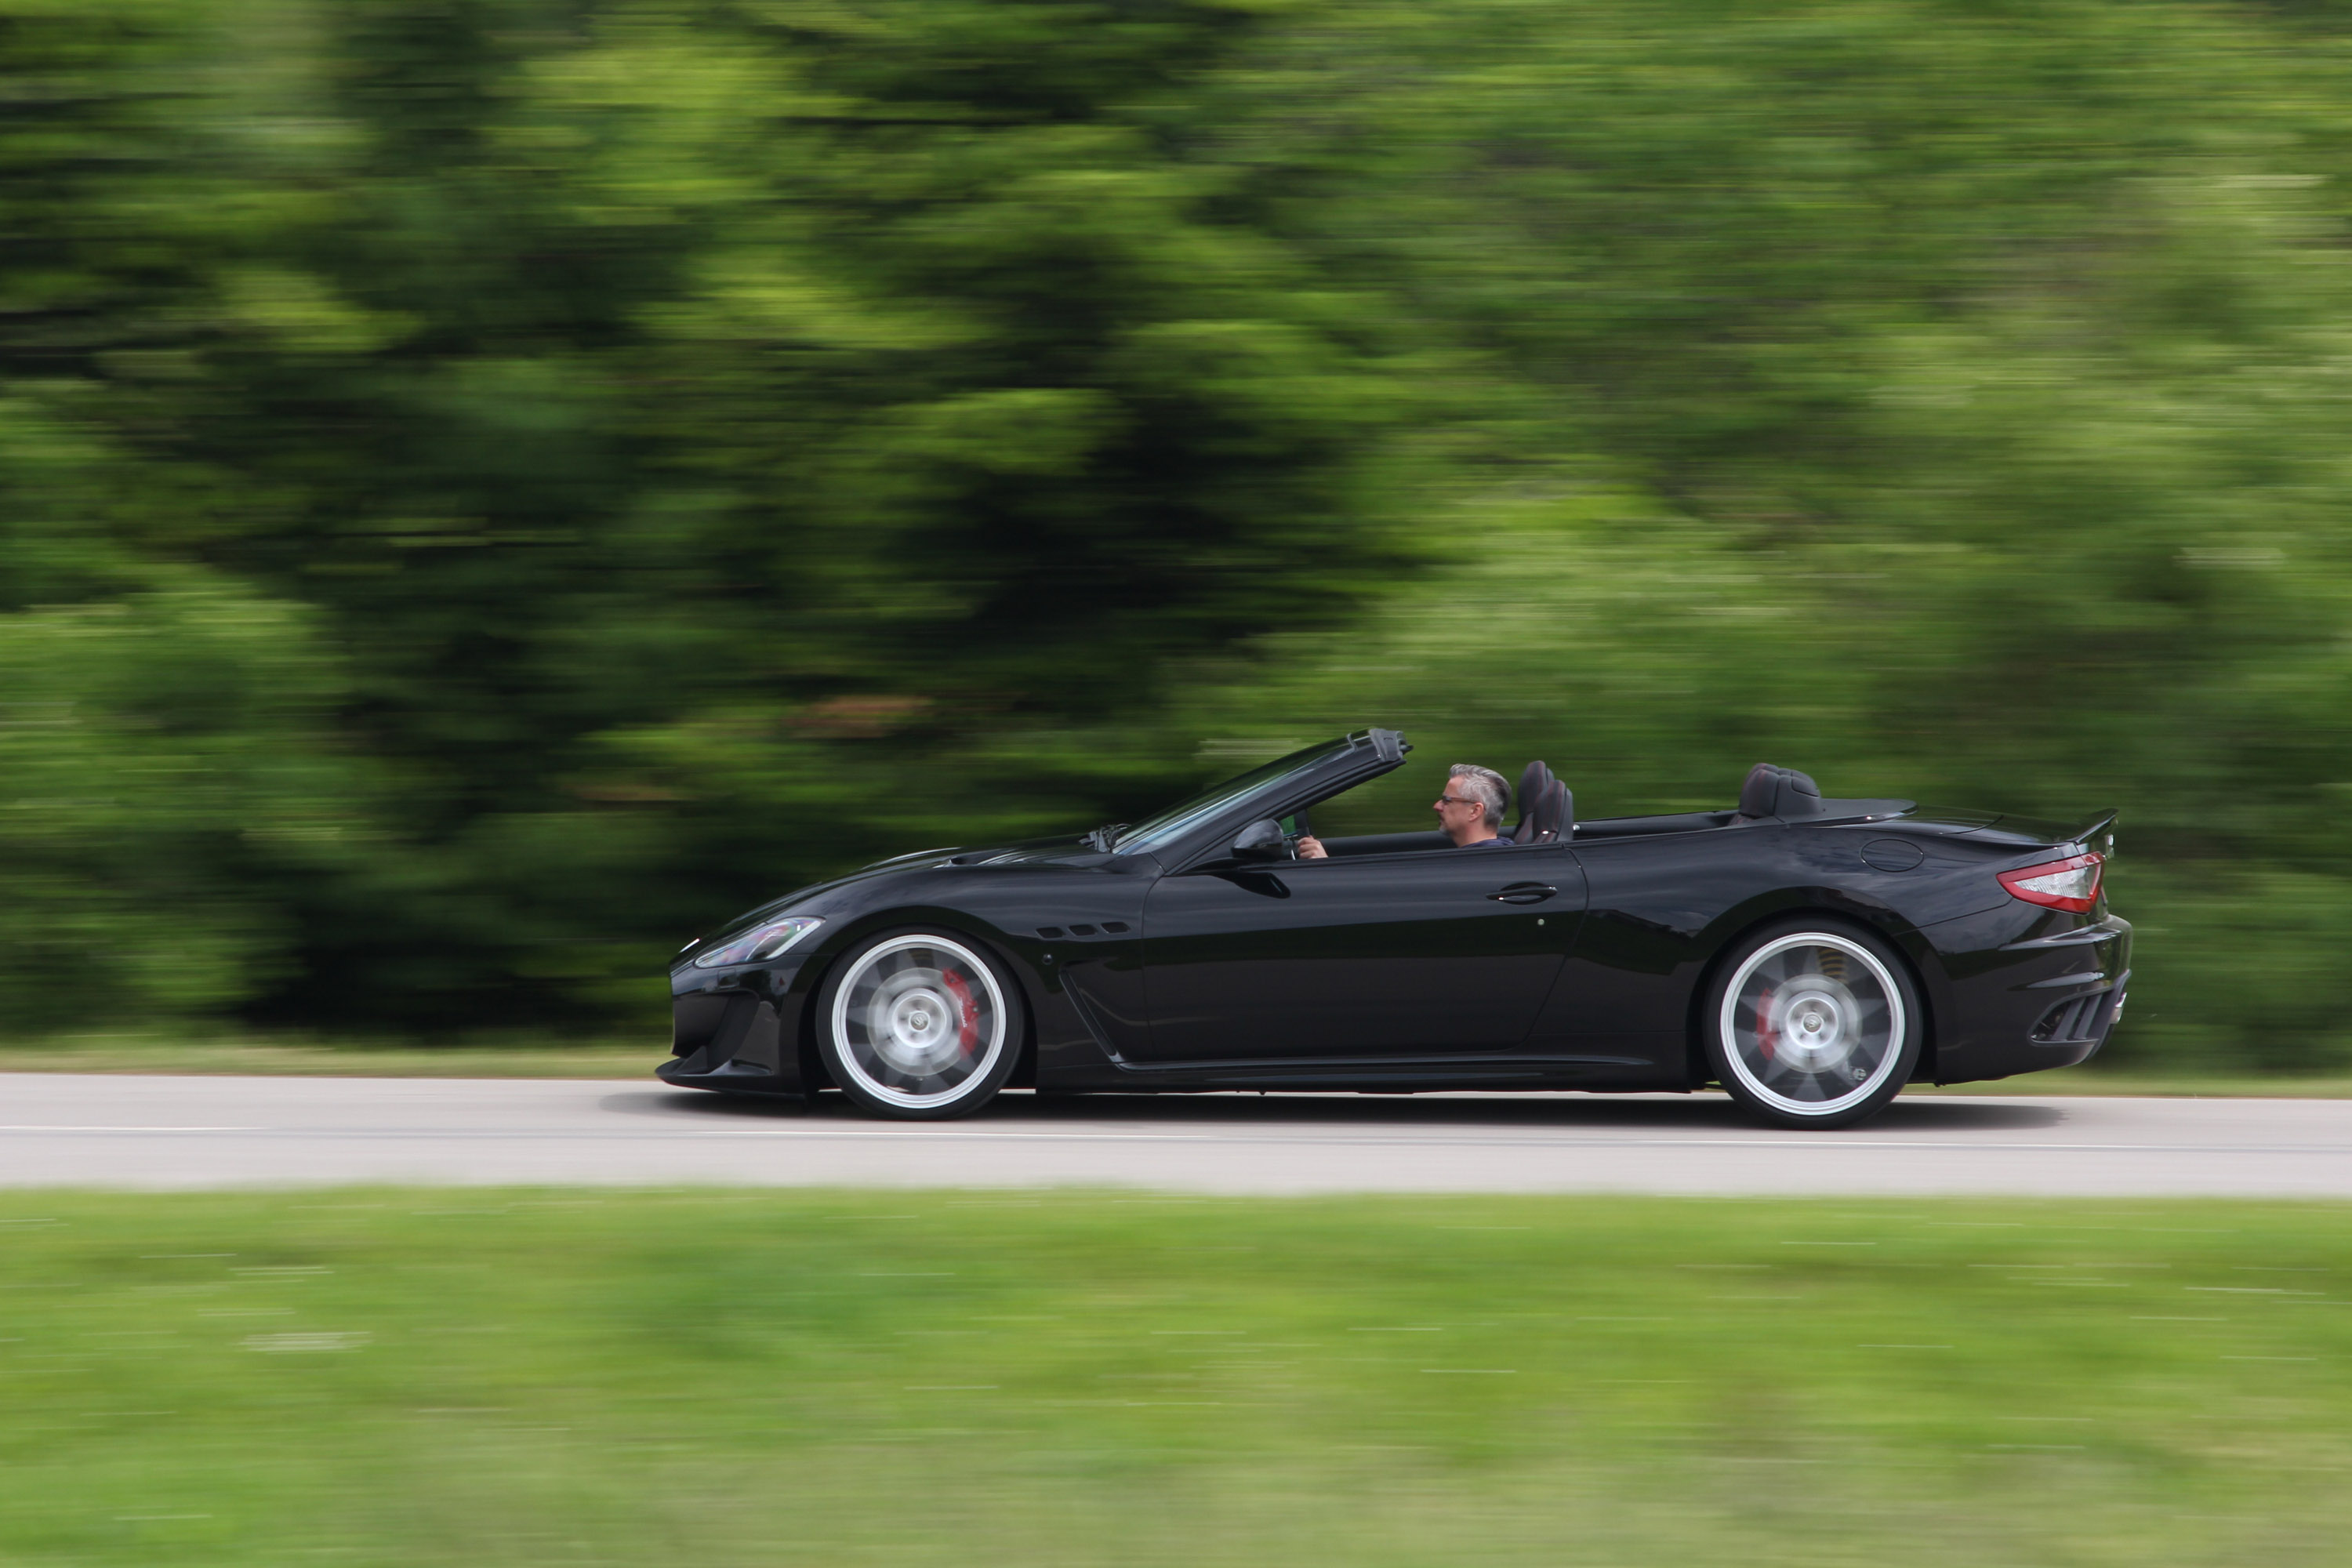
[[489, 487]]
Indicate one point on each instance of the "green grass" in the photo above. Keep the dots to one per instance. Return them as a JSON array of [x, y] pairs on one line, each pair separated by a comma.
[[524, 1057], [2164, 1085], [758, 1377]]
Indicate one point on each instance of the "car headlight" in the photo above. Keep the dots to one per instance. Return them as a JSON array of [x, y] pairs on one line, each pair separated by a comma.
[[760, 943]]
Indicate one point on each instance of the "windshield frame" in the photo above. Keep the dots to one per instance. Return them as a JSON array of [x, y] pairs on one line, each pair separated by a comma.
[[1164, 828], [1306, 773]]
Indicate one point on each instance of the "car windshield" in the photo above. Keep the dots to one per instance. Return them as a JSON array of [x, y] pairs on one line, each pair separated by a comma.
[[1177, 821]]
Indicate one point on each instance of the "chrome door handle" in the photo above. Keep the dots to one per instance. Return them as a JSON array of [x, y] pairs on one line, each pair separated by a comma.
[[1524, 893]]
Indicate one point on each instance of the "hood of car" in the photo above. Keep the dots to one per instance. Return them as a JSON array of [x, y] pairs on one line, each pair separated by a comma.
[[816, 898], [1069, 850]]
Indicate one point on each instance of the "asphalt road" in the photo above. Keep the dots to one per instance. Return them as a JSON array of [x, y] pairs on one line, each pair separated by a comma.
[[75, 1130]]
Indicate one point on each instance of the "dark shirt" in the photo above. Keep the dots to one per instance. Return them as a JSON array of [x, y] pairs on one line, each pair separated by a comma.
[[1489, 844]]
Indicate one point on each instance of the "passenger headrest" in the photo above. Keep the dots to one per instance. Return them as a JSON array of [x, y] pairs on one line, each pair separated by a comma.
[[1532, 785], [1800, 796], [1777, 792], [1546, 817]]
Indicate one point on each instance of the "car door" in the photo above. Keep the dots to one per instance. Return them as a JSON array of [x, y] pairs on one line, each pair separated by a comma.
[[1623, 996], [1428, 953]]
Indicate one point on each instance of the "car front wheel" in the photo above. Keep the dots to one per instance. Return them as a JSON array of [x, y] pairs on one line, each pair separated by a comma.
[[918, 1026], [1813, 1024]]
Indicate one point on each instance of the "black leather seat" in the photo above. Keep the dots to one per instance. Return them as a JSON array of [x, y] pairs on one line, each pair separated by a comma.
[[1800, 796], [1771, 791], [1546, 813], [1533, 783], [1560, 801]]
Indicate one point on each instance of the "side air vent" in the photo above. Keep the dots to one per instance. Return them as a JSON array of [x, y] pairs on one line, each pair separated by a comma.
[[1082, 931], [1115, 927], [1050, 933]]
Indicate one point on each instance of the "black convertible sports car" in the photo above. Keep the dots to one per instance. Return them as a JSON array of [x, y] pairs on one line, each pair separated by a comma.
[[1812, 956]]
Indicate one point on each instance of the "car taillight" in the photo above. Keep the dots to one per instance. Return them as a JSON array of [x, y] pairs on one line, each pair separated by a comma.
[[2069, 884]]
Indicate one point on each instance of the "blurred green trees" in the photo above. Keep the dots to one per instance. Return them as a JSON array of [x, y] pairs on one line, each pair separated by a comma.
[[490, 487]]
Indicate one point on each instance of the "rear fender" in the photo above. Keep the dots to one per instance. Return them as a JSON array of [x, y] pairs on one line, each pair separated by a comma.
[[1837, 909]]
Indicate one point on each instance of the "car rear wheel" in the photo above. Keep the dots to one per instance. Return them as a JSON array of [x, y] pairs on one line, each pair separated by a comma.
[[918, 1026], [1813, 1024]]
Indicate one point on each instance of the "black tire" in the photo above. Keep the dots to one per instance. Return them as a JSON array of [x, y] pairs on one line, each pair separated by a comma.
[[1813, 1023], [920, 1025]]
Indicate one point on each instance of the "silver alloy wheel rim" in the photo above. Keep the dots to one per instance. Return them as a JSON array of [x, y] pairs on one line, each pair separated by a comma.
[[1809, 1014], [919, 1022]]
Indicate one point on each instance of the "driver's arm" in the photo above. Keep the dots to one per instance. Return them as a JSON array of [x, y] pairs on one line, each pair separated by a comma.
[[1311, 847]]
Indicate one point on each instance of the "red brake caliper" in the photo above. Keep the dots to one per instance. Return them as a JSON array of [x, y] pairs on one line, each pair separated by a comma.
[[967, 1026], [1765, 1035]]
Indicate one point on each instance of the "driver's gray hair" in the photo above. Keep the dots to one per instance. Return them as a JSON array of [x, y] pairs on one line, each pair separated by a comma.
[[1485, 786]]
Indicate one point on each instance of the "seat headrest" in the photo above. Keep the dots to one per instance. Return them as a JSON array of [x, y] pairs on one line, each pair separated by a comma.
[[1547, 816], [1532, 785], [1777, 792], [1800, 796]]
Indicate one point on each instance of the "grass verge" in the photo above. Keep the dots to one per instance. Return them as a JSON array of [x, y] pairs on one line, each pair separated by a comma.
[[524, 1057], [2163, 1085], [531, 1377]]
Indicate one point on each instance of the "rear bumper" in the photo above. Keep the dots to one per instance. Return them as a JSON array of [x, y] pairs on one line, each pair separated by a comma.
[[2083, 1019], [2028, 991], [2070, 1030]]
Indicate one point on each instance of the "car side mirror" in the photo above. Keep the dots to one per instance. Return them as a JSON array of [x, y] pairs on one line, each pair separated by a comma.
[[1262, 840]]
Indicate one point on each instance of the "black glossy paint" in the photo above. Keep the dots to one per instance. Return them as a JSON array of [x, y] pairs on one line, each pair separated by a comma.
[[1432, 953], [1402, 963]]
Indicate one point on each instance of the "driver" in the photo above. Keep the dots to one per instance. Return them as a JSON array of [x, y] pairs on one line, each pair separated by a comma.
[[1470, 810]]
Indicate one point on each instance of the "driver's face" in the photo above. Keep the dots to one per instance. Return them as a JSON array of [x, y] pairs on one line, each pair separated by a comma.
[[1456, 812]]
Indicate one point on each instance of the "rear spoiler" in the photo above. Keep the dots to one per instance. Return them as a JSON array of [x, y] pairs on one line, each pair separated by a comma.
[[2098, 834]]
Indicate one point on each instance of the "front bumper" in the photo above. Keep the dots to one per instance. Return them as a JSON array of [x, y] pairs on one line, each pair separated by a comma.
[[736, 1030]]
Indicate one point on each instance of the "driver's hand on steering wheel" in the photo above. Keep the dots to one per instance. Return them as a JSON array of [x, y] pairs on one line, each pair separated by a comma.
[[1311, 847]]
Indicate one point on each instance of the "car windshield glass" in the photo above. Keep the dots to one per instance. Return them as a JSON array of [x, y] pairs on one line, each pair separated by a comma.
[[1177, 821]]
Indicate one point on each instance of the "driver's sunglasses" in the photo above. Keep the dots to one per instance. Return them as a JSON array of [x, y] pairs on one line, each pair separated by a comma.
[[1457, 800]]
